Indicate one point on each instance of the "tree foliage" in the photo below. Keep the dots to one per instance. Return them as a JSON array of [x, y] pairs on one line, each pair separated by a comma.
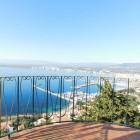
[[112, 106]]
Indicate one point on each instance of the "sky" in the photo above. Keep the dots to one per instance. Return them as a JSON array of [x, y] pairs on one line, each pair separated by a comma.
[[70, 30]]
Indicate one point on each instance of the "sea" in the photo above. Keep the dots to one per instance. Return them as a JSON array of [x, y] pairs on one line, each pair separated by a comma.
[[21, 95]]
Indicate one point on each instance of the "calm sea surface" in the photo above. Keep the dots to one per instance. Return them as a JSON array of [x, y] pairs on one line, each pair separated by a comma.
[[11, 93]]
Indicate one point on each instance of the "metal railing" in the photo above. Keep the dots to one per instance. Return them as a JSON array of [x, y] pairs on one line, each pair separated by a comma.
[[30, 101]]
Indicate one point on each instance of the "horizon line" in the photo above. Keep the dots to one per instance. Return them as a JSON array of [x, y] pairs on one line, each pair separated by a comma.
[[49, 61]]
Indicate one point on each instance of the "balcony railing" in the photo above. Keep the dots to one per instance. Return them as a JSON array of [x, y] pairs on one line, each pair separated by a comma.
[[30, 101]]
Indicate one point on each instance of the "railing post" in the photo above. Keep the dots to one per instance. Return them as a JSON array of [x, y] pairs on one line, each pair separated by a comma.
[[18, 90], [128, 84], [113, 99], [0, 103]]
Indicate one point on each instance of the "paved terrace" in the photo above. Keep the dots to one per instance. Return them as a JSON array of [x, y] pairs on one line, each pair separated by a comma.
[[78, 131]]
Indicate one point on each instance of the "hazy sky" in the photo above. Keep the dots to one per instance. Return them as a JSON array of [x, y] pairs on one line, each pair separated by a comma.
[[70, 30]]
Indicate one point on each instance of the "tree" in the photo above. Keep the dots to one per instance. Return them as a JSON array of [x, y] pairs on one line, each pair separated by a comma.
[[112, 106], [79, 104]]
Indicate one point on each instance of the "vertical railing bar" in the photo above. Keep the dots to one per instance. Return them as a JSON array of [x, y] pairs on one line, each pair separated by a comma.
[[18, 89], [113, 99], [47, 98], [99, 100], [60, 98], [74, 87], [33, 96], [127, 101], [0, 103], [63, 91], [86, 99]]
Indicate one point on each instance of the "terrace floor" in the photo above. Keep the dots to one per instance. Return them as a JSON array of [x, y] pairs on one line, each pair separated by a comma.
[[78, 131]]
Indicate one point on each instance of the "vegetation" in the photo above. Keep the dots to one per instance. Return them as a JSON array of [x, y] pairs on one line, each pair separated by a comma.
[[4, 132], [80, 105], [131, 90], [28, 121], [111, 106]]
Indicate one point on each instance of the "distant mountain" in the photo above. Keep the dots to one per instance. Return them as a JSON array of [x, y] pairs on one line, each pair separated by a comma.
[[25, 63], [30, 63], [130, 65], [42, 62]]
